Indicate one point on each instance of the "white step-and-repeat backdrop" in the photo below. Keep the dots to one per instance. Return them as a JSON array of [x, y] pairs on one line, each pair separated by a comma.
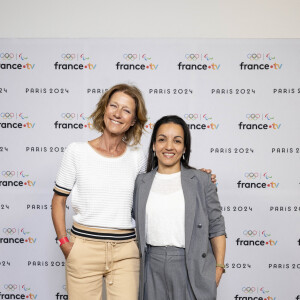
[[241, 101]]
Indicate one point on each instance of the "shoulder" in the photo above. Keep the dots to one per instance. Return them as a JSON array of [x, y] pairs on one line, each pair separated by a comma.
[[136, 150], [138, 153], [139, 178], [201, 176], [75, 148]]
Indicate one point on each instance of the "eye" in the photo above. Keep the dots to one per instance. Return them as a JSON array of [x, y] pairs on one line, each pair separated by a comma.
[[127, 111], [161, 139], [113, 105], [178, 141]]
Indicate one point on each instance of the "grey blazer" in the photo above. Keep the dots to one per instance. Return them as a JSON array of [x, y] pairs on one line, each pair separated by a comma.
[[203, 221]]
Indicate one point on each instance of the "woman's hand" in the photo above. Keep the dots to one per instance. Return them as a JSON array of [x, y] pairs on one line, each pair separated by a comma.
[[66, 248], [219, 273], [213, 176]]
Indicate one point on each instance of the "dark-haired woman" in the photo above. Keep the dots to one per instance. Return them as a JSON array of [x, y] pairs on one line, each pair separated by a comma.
[[180, 227]]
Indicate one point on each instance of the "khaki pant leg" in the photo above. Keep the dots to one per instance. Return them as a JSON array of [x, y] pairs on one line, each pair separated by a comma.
[[85, 266], [124, 275]]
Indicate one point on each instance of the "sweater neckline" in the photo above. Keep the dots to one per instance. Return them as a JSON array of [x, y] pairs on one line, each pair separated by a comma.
[[107, 157]]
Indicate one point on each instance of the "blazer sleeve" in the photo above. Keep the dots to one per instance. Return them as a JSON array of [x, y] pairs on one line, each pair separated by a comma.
[[216, 220], [137, 181]]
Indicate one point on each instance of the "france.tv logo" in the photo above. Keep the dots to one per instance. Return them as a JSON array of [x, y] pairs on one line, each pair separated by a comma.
[[136, 61], [258, 180], [17, 291], [260, 61], [15, 61], [251, 292], [15, 120], [74, 61], [259, 121], [15, 235], [15, 178], [198, 61], [201, 121], [255, 237], [71, 120]]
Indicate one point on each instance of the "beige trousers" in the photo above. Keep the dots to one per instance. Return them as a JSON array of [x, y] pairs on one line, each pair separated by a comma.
[[90, 260]]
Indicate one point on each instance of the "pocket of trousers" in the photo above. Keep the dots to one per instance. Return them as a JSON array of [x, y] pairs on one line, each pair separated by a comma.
[[137, 247], [74, 240]]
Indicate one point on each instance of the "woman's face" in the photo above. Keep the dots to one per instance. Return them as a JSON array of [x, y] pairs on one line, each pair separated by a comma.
[[119, 115], [169, 147]]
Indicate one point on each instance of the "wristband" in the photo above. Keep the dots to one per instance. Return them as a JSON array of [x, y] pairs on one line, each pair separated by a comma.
[[221, 266], [63, 241]]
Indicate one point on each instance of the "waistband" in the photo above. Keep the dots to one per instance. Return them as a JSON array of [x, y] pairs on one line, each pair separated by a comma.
[[171, 250], [103, 234]]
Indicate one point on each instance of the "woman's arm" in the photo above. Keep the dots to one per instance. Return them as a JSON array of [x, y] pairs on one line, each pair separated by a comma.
[[58, 218], [219, 246], [213, 176]]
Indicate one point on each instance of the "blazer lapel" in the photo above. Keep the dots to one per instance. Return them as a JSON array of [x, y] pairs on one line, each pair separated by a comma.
[[143, 194], [189, 186]]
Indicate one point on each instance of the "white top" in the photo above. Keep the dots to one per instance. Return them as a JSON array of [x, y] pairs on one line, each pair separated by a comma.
[[102, 187], [165, 211]]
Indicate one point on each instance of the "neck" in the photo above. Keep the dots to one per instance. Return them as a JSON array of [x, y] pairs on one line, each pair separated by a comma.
[[111, 142], [168, 170]]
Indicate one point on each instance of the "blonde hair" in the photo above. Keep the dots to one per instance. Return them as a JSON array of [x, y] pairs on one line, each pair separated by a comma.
[[134, 133]]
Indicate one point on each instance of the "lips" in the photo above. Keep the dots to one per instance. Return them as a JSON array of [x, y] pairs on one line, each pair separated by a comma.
[[169, 155], [115, 122]]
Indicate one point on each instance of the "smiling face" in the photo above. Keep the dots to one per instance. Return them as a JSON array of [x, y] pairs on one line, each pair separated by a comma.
[[169, 147], [119, 114]]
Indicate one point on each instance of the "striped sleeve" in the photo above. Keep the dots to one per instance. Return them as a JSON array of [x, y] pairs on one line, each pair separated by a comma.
[[66, 175], [142, 162]]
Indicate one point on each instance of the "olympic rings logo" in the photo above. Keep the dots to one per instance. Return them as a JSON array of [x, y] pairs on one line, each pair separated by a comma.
[[6, 56], [254, 56], [131, 57], [68, 116], [9, 230], [253, 116], [250, 232], [191, 117], [10, 287], [7, 115], [192, 56], [251, 175], [248, 289], [68, 56], [8, 173]]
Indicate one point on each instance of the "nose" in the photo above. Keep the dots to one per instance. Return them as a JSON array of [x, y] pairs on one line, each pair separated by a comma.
[[169, 145], [117, 113]]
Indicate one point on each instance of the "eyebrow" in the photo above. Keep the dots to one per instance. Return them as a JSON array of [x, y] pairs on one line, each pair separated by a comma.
[[177, 136], [112, 101]]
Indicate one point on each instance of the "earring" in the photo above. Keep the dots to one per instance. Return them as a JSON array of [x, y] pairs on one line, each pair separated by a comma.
[[183, 156], [154, 154]]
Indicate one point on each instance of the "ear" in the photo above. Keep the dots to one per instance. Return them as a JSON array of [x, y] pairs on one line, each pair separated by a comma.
[[133, 122]]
